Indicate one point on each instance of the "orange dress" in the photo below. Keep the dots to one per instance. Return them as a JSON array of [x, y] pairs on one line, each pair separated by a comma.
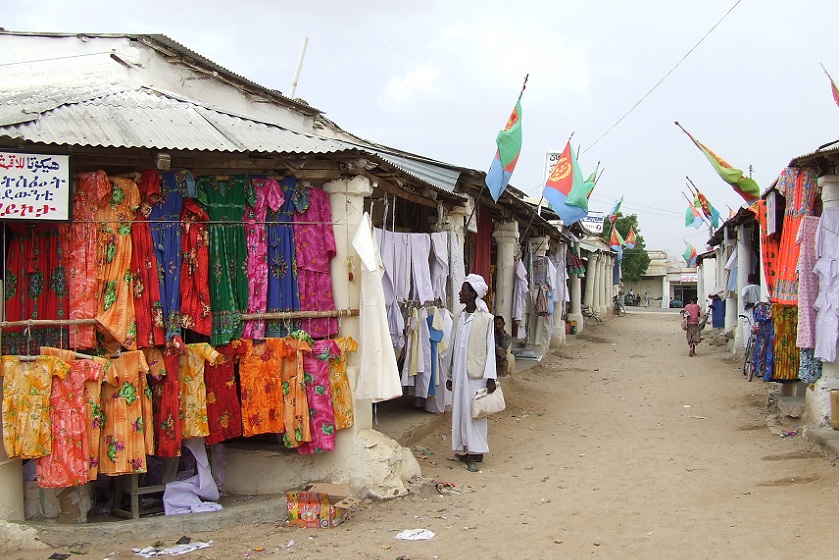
[[68, 463], [339, 384], [92, 191], [26, 404], [295, 402], [261, 379], [116, 302], [126, 403], [194, 389]]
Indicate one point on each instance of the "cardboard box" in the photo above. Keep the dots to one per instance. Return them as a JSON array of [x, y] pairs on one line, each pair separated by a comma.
[[322, 505]]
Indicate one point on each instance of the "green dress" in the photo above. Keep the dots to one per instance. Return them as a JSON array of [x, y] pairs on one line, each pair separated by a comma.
[[224, 201]]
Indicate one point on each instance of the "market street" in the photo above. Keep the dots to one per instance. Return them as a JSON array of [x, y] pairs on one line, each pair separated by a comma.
[[616, 445]]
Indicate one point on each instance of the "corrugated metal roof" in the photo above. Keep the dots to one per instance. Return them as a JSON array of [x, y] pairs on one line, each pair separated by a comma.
[[148, 118], [831, 148]]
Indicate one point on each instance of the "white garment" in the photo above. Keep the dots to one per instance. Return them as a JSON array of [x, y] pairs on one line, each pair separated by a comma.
[[439, 264], [443, 398], [185, 496], [385, 241], [378, 376], [420, 270], [731, 272], [827, 270], [457, 269], [401, 266], [750, 294], [469, 435], [520, 296], [424, 367]]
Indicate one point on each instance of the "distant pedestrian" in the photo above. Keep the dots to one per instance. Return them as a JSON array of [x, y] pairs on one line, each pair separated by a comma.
[[692, 311], [646, 299], [502, 346]]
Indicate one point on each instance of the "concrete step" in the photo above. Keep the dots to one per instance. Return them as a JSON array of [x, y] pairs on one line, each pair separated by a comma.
[[792, 407]]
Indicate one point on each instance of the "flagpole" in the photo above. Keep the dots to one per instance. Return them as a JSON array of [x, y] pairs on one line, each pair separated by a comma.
[[481, 192], [704, 221], [541, 198]]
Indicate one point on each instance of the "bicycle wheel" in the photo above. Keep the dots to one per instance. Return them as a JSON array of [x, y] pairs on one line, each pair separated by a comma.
[[748, 360], [621, 310]]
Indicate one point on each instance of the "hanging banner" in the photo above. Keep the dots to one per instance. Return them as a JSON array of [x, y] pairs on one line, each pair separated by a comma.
[[593, 223], [34, 186]]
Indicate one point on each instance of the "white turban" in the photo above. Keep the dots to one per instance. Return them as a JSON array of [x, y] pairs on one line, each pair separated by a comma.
[[480, 286]]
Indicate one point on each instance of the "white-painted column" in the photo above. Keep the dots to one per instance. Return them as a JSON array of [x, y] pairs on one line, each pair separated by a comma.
[[346, 198], [591, 271], [745, 265], [731, 298], [506, 236], [575, 313], [817, 400], [454, 223], [665, 292], [597, 297]]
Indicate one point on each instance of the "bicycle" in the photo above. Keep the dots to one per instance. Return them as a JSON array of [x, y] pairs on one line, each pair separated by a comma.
[[589, 312], [617, 307], [748, 358]]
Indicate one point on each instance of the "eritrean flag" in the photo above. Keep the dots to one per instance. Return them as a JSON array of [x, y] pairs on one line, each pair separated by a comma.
[[630, 239], [692, 217], [690, 254], [616, 242], [613, 215], [565, 189], [744, 186], [702, 202], [507, 155], [590, 184]]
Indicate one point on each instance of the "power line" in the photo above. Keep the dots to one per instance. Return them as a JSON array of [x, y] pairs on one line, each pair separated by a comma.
[[54, 58], [663, 78]]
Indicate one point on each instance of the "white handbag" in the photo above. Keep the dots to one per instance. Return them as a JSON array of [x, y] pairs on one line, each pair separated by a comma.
[[485, 403]]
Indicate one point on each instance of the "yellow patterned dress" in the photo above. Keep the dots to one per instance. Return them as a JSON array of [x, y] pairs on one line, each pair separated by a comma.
[[194, 389], [339, 384]]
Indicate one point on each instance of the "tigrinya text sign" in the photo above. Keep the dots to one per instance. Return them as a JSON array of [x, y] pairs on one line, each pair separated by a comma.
[[34, 186]]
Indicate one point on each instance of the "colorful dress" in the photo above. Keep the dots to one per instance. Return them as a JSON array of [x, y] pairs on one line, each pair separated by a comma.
[[195, 267], [79, 245], [166, 400], [314, 246], [126, 403], [147, 309], [224, 201], [115, 312], [26, 404], [267, 193], [282, 261], [224, 413], [339, 384], [319, 395], [295, 401], [36, 287], [261, 379], [166, 232], [193, 388], [68, 463]]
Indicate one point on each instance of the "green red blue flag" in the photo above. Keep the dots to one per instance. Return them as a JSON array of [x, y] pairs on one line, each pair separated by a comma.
[[613, 215], [565, 189], [616, 242], [630, 239], [508, 142], [692, 217], [690, 254]]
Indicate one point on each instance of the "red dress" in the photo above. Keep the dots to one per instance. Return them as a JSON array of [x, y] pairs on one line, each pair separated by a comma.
[[195, 266], [166, 400], [224, 413], [146, 289]]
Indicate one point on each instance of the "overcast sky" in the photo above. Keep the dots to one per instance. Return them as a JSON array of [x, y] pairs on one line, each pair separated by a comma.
[[439, 78]]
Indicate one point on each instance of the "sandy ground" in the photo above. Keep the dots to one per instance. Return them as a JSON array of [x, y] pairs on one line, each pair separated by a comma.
[[615, 446]]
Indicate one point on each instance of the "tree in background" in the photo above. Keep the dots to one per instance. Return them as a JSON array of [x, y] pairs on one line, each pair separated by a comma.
[[635, 261]]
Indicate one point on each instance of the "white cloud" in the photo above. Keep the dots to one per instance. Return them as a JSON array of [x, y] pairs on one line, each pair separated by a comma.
[[403, 89]]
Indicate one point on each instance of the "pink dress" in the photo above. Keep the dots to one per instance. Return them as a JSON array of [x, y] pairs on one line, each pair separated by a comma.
[[314, 248], [319, 394], [808, 282], [267, 194], [69, 460]]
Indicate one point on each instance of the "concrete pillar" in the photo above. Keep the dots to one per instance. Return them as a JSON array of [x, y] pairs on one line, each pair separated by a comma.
[[575, 294], [346, 196], [665, 292], [605, 281], [597, 296], [454, 223], [591, 269], [817, 399], [506, 236], [731, 298], [745, 265]]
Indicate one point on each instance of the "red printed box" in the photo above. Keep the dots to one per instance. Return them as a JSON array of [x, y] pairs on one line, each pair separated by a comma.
[[321, 505]]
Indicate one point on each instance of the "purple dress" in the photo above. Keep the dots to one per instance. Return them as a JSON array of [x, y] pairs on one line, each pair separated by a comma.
[[282, 262]]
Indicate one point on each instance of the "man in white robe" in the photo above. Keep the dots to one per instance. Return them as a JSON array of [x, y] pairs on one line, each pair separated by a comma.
[[473, 368]]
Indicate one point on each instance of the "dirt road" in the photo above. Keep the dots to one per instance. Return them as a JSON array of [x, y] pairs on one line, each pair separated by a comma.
[[616, 446]]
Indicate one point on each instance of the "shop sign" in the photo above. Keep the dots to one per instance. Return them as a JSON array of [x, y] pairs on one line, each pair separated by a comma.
[[593, 223], [688, 277], [34, 186]]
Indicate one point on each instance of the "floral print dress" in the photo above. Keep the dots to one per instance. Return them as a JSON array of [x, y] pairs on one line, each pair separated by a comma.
[[127, 411], [283, 292], [147, 309], [195, 267], [224, 412], [295, 401], [319, 396], [166, 400], [115, 312], [261, 378], [194, 389], [339, 384], [26, 404]]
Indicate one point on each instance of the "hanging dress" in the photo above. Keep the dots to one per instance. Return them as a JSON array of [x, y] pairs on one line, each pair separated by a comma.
[[115, 312], [319, 396], [26, 404], [147, 309], [339, 384], [267, 193], [79, 248], [166, 232], [315, 247], [224, 201], [68, 463], [261, 377], [195, 267], [224, 412], [36, 287], [126, 402], [282, 262], [166, 400], [194, 389], [295, 401]]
